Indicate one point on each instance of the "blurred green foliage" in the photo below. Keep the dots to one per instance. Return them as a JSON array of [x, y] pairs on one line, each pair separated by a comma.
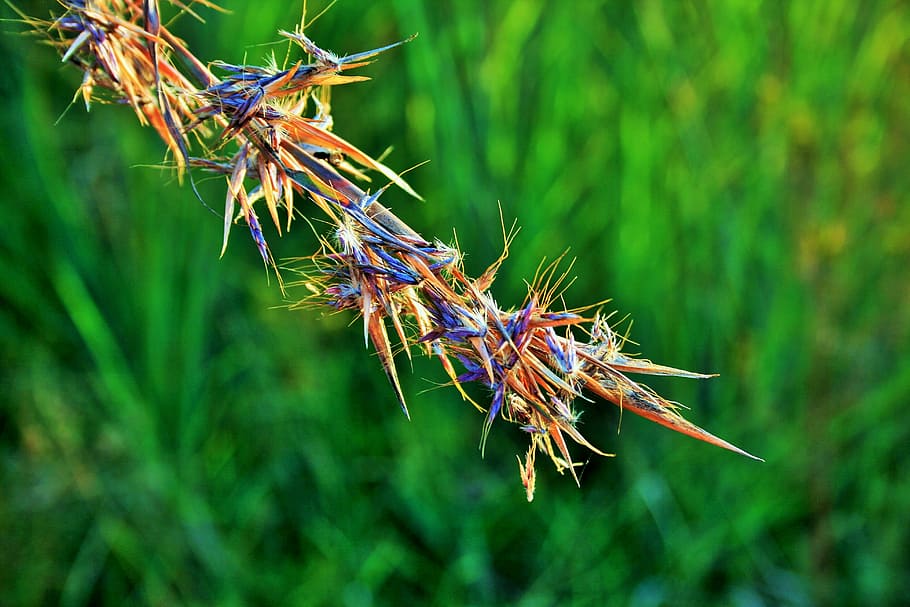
[[733, 174]]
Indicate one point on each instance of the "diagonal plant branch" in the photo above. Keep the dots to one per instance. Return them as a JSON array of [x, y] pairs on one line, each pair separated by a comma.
[[269, 132]]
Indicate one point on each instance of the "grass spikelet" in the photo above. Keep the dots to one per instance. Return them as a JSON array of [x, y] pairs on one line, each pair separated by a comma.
[[269, 131]]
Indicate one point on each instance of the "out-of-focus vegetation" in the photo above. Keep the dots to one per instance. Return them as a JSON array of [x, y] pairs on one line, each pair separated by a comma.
[[732, 175]]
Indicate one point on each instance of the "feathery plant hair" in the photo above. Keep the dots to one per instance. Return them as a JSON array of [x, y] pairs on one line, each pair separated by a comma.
[[268, 131]]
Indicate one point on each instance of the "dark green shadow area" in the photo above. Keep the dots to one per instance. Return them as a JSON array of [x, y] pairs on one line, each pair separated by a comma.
[[733, 176]]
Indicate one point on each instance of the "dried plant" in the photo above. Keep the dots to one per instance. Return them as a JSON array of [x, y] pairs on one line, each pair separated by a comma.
[[268, 130]]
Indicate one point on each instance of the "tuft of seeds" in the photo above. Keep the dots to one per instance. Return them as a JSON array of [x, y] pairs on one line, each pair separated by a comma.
[[268, 131]]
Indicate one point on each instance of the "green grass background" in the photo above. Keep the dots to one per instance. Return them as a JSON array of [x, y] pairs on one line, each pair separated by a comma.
[[733, 174]]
